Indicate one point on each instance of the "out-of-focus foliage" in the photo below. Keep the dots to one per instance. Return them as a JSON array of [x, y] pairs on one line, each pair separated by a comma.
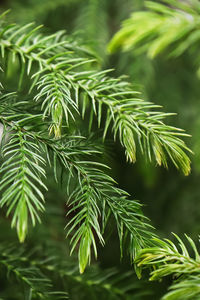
[[36, 275], [173, 28]]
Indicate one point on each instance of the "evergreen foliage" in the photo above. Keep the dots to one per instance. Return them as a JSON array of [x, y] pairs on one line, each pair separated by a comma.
[[52, 89], [167, 259], [34, 276], [22, 169], [170, 26]]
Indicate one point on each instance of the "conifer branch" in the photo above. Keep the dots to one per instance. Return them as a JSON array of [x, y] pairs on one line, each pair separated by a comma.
[[21, 180], [61, 90], [95, 197], [167, 259], [170, 25], [132, 119]]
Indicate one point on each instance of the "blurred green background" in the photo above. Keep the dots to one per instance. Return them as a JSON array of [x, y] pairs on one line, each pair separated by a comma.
[[171, 201]]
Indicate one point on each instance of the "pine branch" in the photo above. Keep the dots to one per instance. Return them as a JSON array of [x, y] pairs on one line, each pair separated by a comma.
[[62, 88], [131, 118], [166, 259], [22, 174], [169, 25], [135, 120], [187, 289], [95, 282], [95, 197], [58, 100]]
